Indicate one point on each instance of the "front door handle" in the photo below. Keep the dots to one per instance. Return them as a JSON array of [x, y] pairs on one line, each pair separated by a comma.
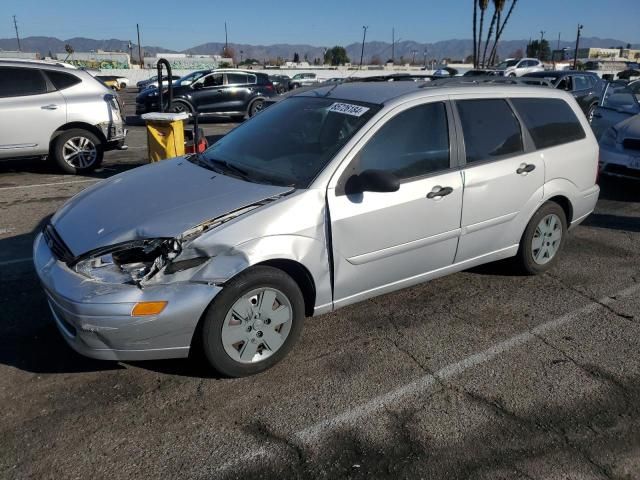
[[438, 192], [49, 107], [525, 168]]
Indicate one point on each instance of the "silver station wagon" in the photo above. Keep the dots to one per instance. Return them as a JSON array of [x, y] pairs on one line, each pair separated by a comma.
[[325, 199]]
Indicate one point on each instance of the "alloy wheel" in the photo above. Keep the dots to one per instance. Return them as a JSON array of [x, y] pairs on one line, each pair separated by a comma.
[[257, 325], [79, 152], [546, 239]]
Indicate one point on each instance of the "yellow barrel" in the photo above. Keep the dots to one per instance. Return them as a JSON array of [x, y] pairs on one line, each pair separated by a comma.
[[165, 135]]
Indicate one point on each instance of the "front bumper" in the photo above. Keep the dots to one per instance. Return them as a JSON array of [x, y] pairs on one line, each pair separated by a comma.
[[95, 318]]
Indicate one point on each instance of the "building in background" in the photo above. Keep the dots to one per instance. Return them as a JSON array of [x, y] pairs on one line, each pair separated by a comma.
[[98, 60], [183, 61], [20, 55]]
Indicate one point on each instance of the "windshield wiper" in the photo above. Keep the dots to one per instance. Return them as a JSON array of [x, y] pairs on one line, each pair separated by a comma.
[[229, 167]]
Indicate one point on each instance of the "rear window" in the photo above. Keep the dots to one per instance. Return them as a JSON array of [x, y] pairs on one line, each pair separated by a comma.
[[62, 80], [17, 82], [550, 121], [236, 78], [491, 130]]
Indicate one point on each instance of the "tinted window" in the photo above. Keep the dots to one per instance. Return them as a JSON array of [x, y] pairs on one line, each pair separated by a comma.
[[62, 80], [290, 142], [236, 78], [16, 82], [213, 80], [490, 129], [549, 121], [413, 143], [618, 96], [580, 82]]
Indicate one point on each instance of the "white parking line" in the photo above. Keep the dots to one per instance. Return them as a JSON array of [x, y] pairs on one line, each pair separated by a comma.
[[354, 415], [50, 184], [17, 260]]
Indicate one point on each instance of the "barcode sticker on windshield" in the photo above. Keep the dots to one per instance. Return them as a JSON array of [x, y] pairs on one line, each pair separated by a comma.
[[348, 109]]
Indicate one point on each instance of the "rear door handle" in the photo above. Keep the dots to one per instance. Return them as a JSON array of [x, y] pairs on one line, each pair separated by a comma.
[[438, 192], [525, 168], [50, 107]]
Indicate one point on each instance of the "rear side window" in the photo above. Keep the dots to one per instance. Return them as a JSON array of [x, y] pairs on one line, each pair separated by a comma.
[[411, 144], [62, 80], [491, 130], [550, 121], [236, 78], [17, 82]]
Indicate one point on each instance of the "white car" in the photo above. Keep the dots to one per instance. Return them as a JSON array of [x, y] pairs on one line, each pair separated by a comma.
[[519, 67], [616, 122]]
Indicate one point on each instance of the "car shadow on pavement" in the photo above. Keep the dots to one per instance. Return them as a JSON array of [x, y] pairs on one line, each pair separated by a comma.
[[44, 167], [619, 189]]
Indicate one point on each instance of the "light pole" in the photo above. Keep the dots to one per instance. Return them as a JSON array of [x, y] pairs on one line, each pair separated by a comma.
[[540, 45], [241, 52], [575, 55], [413, 60], [364, 36], [425, 58]]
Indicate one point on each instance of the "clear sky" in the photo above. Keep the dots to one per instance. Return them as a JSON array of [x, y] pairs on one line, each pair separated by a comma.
[[179, 25]]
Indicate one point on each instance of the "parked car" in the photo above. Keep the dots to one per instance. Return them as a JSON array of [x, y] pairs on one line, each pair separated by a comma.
[[617, 103], [281, 83], [582, 85], [123, 81], [59, 113], [110, 81], [616, 122], [481, 72], [233, 93], [153, 82], [520, 67], [317, 203], [303, 80]]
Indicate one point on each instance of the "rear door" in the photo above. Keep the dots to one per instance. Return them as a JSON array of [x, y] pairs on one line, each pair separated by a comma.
[[30, 111], [503, 176], [236, 91], [384, 241], [582, 91]]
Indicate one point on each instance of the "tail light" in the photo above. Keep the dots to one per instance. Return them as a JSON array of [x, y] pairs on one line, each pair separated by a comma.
[[269, 87]]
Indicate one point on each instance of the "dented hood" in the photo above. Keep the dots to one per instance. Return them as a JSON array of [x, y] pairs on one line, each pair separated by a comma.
[[158, 200]]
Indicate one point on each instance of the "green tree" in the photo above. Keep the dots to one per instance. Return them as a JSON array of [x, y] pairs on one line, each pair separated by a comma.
[[494, 50], [541, 50], [475, 31], [336, 56], [497, 11], [296, 57]]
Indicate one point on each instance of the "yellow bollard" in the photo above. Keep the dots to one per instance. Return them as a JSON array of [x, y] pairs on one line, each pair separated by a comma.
[[165, 135]]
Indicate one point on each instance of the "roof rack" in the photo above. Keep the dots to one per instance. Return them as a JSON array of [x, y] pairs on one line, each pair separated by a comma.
[[489, 80]]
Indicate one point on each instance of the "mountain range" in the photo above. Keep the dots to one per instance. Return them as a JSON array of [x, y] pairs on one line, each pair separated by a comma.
[[454, 49]]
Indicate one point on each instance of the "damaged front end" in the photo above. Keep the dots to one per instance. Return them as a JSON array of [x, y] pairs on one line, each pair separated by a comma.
[[139, 261]]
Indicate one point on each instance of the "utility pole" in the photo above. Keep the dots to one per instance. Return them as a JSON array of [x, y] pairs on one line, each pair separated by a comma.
[[139, 48], [15, 25], [364, 36], [413, 60], [540, 45], [558, 41], [575, 55], [425, 58], [226, 40], [393, 45]]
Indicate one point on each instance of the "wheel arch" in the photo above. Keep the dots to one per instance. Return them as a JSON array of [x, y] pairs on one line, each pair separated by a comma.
[[80, 125], [254, 100], [301, 275], [566, 205]]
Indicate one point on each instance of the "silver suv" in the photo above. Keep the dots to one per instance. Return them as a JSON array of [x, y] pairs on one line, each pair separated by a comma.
[[58, 112]]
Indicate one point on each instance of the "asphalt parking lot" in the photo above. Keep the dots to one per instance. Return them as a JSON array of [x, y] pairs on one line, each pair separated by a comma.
[[481, 375]]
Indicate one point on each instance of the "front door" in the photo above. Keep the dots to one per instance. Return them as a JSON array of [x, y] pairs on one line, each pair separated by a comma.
[[385, 241], [30, 111], [208, 93]]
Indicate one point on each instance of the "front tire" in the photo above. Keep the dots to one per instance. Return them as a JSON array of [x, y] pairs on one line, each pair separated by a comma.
[[77, 151], [253, 322], [543, 239]]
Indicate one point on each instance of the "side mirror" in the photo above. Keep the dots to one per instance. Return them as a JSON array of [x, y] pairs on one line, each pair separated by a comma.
[[372, 181]]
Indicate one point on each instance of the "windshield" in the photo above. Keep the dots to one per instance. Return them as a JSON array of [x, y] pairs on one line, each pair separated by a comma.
[[619, 97], [507, 64], [290, 142]]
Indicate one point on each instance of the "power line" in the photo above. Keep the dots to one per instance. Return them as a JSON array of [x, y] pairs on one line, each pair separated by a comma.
[[15, 25]]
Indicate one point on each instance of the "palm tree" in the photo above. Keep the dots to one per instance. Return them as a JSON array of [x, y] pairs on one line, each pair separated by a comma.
[[483, 4], [475, 33], [494, 50], [498, 6]]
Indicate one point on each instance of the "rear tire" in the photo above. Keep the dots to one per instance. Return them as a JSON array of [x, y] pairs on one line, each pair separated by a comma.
[[77, 151], [237, 327], [256, 107], [543, 239]]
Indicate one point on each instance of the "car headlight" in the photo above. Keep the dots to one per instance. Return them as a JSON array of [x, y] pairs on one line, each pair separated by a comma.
[[130, 262], [609, 137]]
